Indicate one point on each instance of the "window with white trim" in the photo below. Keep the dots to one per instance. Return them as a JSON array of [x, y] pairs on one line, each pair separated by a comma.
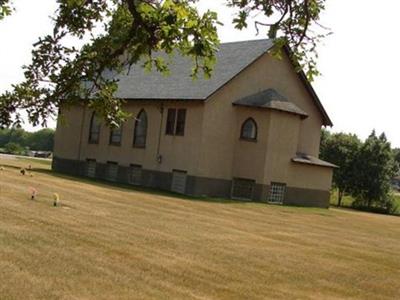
[[277, 193]]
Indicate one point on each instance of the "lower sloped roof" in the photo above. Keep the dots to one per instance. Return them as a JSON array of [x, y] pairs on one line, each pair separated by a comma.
[[312, 160], [271, 99]]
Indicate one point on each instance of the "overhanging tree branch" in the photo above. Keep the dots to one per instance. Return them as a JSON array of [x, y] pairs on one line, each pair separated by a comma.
[[134, 31]]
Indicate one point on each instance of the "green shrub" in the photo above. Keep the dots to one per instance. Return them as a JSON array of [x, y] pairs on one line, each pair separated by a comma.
[[386, 205], [13, 148]]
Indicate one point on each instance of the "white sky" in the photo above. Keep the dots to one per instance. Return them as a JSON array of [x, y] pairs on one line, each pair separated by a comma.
[[359, 63]]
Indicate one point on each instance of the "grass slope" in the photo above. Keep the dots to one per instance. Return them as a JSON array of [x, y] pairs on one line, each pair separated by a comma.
[[109, 242]]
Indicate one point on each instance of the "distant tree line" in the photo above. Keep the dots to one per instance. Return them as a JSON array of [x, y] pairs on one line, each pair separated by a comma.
[[19, 141], [365, 169]]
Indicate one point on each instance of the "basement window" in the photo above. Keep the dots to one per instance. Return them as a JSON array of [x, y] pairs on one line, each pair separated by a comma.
[[135, 175], [242, 189], [179, 179], [277, 193], [112, 171], [91, 168]]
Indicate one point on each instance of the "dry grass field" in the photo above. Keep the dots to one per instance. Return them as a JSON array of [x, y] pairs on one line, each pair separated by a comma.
[[110, 242]]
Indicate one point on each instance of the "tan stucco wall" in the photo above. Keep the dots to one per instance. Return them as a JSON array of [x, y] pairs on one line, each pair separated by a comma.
[[178, 152], [249, 156], [310, 177], [282, 141], [281, 75], [67, 137], [221, 123], [211, 146]]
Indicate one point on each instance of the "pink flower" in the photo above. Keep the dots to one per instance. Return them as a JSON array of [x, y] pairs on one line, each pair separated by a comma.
[[33, 192]]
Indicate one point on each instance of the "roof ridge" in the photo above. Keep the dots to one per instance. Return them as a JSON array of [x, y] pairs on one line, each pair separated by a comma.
[[245, 41]]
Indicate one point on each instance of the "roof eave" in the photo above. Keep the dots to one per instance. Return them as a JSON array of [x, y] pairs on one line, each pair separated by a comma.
[[326, 120], [165, 99], [319, 162]]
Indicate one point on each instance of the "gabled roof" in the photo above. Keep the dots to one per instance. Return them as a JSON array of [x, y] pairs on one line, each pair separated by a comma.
[[232, 59], [271, 99]]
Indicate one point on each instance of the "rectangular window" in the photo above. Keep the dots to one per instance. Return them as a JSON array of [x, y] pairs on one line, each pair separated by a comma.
[[176, 120], [135, 175], [112, 171], [180, 122], [277, 192], [170, 129], [243, 189]]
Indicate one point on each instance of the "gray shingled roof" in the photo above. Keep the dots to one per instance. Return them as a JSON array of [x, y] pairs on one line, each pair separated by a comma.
[[271, 99], [311, 160], [232, 58]]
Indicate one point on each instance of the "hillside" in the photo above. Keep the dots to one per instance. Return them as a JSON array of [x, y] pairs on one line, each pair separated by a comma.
[[110, 242]]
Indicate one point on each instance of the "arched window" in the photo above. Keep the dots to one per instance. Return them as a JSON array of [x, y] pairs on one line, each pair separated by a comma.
[[116, 136], [94, 131], [140, 134], [249, 130]]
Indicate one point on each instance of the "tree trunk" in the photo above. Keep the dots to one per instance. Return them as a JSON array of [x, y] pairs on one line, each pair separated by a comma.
[[340, 196]]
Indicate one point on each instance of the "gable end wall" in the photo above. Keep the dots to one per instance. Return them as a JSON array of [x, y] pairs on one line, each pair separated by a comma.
[[221, 126]]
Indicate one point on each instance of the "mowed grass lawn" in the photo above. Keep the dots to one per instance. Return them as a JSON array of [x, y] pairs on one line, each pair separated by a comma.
[[109, 242]]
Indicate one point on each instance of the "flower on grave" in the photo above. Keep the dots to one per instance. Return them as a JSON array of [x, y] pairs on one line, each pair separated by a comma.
[[33, 193], [56, 198]]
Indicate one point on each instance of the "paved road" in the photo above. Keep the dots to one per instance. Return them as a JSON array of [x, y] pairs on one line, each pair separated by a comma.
[[11, 156], [7, 156]]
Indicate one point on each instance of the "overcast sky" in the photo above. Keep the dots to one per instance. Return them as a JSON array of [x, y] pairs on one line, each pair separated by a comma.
[[359, 62]]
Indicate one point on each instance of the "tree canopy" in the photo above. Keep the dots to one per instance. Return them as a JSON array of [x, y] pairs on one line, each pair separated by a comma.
[[341, 149], [5, 9], [366, 169], [376, 166], [133, 31], [41, 140]]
